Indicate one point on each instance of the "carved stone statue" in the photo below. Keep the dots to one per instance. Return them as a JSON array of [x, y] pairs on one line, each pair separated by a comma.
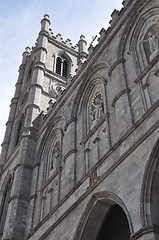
[[55, 158], [153, 39], [97, 107]]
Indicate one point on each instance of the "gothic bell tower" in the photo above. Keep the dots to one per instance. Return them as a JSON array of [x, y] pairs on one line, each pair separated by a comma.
[[43, 75]]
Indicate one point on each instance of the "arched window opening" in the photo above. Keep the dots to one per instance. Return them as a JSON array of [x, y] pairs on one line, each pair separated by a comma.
[[64, 70], [4, 206], [58, 65], [62, 66], [115, 225]]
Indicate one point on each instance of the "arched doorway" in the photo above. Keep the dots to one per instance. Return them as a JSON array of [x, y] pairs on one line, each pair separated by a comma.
[[115, 225], [105, 217]]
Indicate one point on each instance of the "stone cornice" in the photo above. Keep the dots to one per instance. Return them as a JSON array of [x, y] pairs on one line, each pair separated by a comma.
[[57, 43]]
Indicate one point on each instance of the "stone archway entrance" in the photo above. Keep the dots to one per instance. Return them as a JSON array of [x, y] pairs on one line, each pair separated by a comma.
[[115, 225], [105, 217]]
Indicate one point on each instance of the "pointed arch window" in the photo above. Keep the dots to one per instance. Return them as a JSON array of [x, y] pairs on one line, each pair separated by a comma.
[[65, 67], [58, 65], [62, 66]]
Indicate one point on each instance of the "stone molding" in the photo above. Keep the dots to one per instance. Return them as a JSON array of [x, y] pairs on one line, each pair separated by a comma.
[[119, 95], [94, 129], [68, 154], [147, 69], [115, 65], [74, 119], [18, 197], [141, 232], [31, 167]]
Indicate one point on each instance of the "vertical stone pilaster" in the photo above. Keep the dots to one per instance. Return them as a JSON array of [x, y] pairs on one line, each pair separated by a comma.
[[121, 102], [8, 142]]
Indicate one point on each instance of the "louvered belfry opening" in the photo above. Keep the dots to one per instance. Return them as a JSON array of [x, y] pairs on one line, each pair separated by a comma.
[[62, 66], [64, 70], [58, 65]]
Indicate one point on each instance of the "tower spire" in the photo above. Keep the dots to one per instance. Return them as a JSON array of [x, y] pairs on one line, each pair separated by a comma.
[[45, 23], [82, 47]]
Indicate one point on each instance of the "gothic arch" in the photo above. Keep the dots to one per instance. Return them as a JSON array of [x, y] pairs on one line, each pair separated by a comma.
[[49, 149], [96, 89], [86, 84], [139, 46], [65, 68], [135, 22], [52, 124], [150, 191], [98, 207], [97, 67]]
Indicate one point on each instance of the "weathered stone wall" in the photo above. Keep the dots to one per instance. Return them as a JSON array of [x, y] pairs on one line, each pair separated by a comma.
[[95, 144]]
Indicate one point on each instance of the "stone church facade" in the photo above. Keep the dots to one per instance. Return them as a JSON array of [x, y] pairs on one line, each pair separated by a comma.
[[79, 159]]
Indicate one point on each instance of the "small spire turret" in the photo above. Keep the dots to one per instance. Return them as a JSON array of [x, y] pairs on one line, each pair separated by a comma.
[[82, 47], [45, 23], [25, 54]]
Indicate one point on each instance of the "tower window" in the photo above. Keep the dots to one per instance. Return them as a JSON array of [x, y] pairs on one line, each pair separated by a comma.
[[62, 66], [58, 65], [64, 70]]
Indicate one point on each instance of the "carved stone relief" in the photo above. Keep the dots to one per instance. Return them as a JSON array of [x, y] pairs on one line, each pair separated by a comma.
[[55, 88]]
